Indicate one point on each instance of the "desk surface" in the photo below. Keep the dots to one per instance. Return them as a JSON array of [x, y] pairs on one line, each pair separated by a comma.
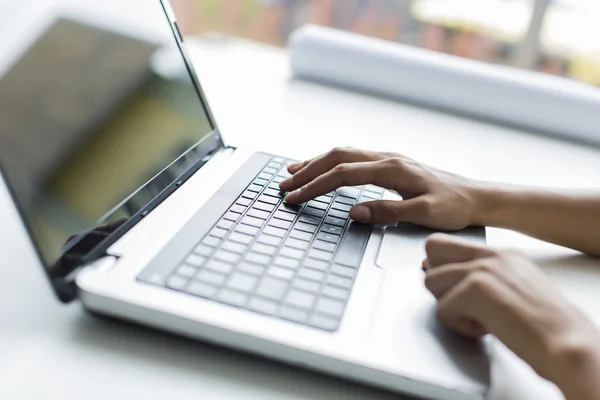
[[53, 351]]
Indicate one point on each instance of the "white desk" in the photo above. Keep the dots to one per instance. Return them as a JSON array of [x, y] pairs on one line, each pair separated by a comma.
[[55, 352]]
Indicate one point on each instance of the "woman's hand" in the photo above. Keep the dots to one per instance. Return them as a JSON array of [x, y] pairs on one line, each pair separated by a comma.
[[432, 198], [482, 291]]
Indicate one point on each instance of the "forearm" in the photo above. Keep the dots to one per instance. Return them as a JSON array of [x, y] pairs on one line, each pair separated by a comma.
[[566, 217]]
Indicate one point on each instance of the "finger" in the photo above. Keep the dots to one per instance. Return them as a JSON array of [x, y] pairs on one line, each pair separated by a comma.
[[359, 173], [386, 211], [445, 249], [440, 280], [455, 310], [295, 167], [324, 163]]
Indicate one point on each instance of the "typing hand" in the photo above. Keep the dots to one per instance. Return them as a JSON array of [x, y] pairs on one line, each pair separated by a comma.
[[432, 198], [482, 291]]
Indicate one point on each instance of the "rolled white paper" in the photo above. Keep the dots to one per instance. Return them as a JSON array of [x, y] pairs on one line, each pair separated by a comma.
[[525, 99]]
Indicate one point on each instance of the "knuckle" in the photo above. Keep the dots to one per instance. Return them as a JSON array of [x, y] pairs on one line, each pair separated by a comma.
[[486, 266], [396, 162], [337, 153], [342, 169], [478, 282]]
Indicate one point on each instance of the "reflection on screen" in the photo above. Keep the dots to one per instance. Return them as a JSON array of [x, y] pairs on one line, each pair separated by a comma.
[[88, 116]]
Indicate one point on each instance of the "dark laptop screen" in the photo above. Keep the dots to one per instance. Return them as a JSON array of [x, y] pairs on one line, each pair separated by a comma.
[[99, 116]]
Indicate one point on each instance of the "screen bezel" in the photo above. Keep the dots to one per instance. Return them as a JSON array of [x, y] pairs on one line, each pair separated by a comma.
[[63, 283]]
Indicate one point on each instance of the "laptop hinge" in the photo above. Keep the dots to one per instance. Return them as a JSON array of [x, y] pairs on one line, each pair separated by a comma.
[[66, 287]]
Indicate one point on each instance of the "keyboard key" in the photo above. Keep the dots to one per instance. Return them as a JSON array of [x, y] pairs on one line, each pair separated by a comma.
[[258, 214], [270, 240], [260, 182], [345, 200], [314, 212], [264, 206], [311, 274], [328, 237], [350, 192], [219, 266], [364, 199], [263, 306], [341, 207], [234, 247], [268, 199], [336, 292], [351, 250], [278, 179], [287, 262], [232, 298], [255, 188], [316, 264], [307, 286], [203, 251], [177, 282], [293, 314], [335, 221], [225, 224], [213, 278], [249, 268], [273, 193], [284, 173], [300, 299], [289, 208], [240, 238], [279, 223], [265, 176], [284, 216], [272, 231], [330, 307], [249, 195], [320, 255], [334, 230], [324, 199], [291, 253], [370, 196], [282, 273], [275, 186], [325, 246], [318, 205], [195, 260], [202, 290], [343, 271], [242, 282], [218, 232], [272, 288], [301, 226], [340, 281], [227, 256], [186, 271], [279, 160], [237, 209], [323, 322], [256, 258], [296, 234], [270, 170], [256, 222], [244, 202], [375, 189], [330, 194], [296, 244], [339, 214], [275, 164], [264, 249], [231, 216], [309, 219]]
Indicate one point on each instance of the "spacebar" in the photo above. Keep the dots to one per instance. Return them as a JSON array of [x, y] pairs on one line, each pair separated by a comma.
[[353, 245]]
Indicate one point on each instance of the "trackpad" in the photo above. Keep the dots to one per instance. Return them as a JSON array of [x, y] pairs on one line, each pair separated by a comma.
[[404, 244]]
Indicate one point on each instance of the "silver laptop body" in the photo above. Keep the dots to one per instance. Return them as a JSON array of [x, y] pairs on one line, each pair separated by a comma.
[[139, 210]]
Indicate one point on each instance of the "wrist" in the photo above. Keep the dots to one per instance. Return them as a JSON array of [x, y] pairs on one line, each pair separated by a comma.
[[574, 364], [487, 201]]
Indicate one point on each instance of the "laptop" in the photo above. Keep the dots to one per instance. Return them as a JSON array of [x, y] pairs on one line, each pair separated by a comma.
[[139, 210]]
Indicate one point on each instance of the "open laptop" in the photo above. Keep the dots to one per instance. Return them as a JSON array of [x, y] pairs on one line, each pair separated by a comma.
[[139, 210]]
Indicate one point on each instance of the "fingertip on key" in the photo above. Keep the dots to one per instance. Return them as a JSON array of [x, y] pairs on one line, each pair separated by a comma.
[[291, 197], [284, 185]]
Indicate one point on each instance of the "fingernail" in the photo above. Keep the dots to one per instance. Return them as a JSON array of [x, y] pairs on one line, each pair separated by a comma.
[[290, 197], [294, 165], [284, 184], [361, 213]]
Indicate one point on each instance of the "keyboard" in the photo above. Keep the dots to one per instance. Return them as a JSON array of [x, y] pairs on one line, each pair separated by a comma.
[[296, 263]]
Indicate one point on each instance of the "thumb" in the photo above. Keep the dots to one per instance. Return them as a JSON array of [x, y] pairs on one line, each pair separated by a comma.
[[386, 211]]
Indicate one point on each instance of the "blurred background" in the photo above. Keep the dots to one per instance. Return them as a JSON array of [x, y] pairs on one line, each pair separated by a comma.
[[559, 37]]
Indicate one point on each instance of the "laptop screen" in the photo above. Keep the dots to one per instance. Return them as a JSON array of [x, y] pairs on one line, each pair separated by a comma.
[[99, 117]]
